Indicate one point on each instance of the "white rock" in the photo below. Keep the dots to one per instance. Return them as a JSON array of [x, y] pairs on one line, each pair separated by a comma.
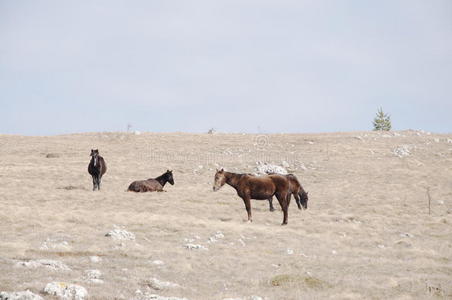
[[93, 276], [50, 264], [25, 295], [147, 296], [161, 285], [264, 168], [402, 151], [289, 251], [217, 236], [120, 234], [95, 259], [66, 291], [158, 262], [195, 247], [55, 244]]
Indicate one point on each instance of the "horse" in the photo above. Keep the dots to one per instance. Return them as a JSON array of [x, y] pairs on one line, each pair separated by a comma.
[[152, 184], [260, 188], [96, 168], [295, 189]]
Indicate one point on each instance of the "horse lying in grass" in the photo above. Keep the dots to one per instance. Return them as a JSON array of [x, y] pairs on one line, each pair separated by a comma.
[[152, 184], [260, 188]]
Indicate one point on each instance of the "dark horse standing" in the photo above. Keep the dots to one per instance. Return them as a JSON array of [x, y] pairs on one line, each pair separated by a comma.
[[96, 168], [152, 184], [260, 188], [295, 189]]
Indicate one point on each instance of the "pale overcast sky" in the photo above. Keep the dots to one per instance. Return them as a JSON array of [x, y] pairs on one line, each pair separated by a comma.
[[234, 65]]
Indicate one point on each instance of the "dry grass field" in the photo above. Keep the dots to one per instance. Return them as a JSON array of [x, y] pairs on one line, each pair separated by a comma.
[[367, 234]]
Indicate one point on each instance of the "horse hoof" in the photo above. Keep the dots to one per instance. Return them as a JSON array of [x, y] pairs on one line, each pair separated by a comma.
[[283, 224], [272, 209]]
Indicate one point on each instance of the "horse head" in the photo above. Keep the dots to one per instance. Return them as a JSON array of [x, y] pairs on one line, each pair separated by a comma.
[[304, 199], [169, 176], [219, 180], [95, 155]]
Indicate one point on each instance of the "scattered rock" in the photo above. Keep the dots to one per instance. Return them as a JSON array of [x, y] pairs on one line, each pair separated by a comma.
[[120, 234], [50, 264], [55, 244], [161, 285], [406, 234], [289, 251], [402, 151], [93, 276], [72, 187], [195, 247], [66, 291], [217, 236], [264, 168], [158, 262], [146, 296], [95, 259], [52, 155], [25, 295], [242, 242]]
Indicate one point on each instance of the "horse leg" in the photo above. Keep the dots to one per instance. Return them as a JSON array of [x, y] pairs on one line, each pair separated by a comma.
[[99, 179], [284, 202], [247, 202], [270, 201], [94, 182], [297, 199]]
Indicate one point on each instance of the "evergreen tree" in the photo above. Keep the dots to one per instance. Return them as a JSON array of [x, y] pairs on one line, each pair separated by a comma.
[[382, 121]]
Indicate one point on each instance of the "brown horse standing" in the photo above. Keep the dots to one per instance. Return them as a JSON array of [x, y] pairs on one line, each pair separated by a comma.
[[295, 189], [152, 184], [260, 188], [96, 168]]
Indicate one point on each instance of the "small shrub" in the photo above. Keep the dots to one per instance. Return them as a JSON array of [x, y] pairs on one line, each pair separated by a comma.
[[382, 121]]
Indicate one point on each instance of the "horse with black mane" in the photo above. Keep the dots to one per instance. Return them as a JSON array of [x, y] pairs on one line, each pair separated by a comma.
[[252, 187], [295, 189], [152, 184], [96, 168]]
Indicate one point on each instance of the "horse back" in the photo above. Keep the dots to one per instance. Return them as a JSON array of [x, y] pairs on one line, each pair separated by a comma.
[[258, 187], [141, 186], [281, 183]]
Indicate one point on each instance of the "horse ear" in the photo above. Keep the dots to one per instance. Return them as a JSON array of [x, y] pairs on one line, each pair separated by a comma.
[[222, 170]]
